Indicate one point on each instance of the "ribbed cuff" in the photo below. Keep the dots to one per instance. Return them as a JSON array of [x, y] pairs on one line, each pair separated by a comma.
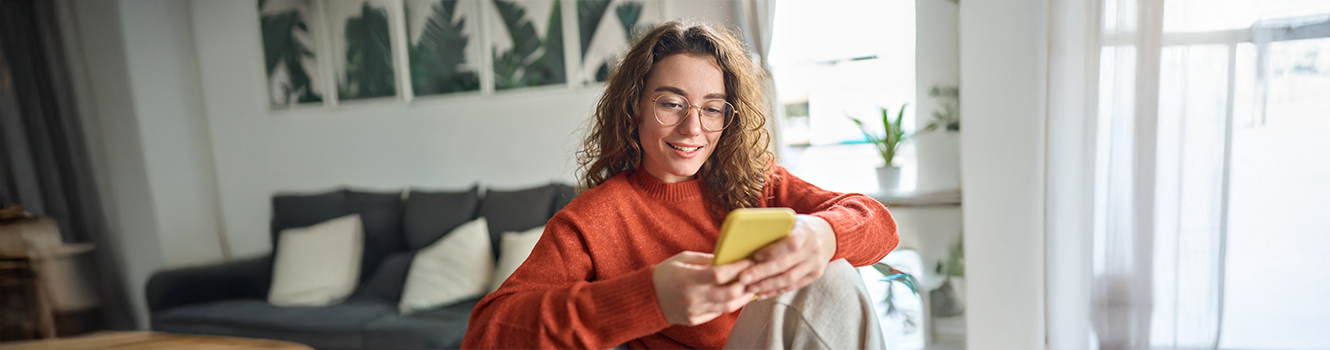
[[842, 235], [856, 241], [626, 306]]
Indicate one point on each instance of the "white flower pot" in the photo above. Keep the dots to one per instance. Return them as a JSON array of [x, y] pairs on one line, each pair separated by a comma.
[[939, 157], [888, 180]]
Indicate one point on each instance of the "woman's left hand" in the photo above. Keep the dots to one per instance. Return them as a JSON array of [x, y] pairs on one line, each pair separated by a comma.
[[794, 261]]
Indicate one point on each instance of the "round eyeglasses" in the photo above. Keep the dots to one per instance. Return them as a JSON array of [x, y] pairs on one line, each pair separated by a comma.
[[672, 109]]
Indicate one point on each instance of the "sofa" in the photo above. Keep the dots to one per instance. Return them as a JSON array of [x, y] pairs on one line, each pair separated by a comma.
[[229, 299]]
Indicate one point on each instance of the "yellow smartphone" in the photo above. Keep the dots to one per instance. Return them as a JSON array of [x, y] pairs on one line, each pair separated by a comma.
[[748, 229]]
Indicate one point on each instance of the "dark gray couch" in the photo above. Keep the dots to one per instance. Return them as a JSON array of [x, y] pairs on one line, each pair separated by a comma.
[[230, 298]]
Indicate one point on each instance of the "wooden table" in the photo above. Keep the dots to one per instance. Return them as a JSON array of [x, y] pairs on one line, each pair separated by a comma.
[[152, 341]]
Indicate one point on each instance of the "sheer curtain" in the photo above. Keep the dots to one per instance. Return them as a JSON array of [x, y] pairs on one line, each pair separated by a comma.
[[1138, 200]]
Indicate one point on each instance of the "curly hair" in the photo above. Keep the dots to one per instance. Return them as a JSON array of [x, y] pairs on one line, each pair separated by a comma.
[[737, 170]]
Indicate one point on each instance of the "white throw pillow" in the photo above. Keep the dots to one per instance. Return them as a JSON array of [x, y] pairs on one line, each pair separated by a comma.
[[453, 268], [317, 265], [516, 247]]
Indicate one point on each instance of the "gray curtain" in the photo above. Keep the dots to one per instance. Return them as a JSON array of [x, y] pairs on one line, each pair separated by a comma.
[[44, 164]]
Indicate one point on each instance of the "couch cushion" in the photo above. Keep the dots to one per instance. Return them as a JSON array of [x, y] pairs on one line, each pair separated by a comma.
[[440, 328], [517, 246], [317, 265], [456, 267], [383, 237], [517, 211], [303, 210], [429, 215], [386, 284], [331, 327], [380, 213]]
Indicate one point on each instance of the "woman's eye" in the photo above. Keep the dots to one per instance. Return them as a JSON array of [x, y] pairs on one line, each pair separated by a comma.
[[671, 105], [713, 111]]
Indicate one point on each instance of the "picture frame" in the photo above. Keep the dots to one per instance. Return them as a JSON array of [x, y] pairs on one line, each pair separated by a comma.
[[607, 29], [292, 38], [526, 43], [364, 54], [444, 46]]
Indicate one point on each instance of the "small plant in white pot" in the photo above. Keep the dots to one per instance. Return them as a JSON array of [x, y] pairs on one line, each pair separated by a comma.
[[889, 175]]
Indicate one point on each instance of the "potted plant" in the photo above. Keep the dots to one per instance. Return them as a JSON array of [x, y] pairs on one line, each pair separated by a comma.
[[889, 175], [949, 299], [892, 275]]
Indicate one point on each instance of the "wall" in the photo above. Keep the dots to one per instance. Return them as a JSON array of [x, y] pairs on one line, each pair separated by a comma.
[[937, 53], [1002, 59]]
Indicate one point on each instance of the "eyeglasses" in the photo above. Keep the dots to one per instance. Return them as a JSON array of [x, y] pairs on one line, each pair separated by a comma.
[[673, 109]]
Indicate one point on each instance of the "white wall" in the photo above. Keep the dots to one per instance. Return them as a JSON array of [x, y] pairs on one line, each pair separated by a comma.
[[1002, 61], [169, 107], [936, 54]]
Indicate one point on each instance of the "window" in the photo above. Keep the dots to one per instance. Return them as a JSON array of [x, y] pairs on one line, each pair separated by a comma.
[[831, 63], [1242, 151]]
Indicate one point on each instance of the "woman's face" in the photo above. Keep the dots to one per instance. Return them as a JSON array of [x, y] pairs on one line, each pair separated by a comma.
[[675, 153]]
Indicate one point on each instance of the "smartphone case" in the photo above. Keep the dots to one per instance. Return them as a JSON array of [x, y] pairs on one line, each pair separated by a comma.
[[748, 229]]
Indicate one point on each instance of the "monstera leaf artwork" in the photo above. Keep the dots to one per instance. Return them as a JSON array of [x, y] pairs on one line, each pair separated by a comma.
[[589, 14], [369, 56], [439, 62], [532, 60], [601, 44], [288, 53]]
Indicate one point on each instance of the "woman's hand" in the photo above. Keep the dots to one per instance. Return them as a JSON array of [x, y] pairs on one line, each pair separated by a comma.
[[691, 292], [793, 262]]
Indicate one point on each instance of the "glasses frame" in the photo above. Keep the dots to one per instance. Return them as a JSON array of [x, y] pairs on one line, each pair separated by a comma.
[[734, 114]]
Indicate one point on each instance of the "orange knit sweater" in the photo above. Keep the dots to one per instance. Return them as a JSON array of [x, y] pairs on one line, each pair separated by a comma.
[[587, 283]]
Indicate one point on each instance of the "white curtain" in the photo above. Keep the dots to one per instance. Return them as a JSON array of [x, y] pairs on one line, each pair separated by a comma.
[[1139, 131], [756, 19]]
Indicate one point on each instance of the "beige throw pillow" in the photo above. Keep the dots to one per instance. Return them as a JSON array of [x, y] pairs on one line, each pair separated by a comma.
[[514, 250], [317, 265], [455, 267]]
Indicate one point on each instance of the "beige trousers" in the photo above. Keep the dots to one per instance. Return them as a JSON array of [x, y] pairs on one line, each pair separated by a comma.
[[835, 312]]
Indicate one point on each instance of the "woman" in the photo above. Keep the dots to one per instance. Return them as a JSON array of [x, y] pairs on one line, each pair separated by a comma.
[[677, 141]]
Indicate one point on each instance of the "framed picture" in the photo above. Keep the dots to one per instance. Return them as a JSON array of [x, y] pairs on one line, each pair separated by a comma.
[[526, 43], [362, 45], [444, 46], [292, 33], [607, 29]]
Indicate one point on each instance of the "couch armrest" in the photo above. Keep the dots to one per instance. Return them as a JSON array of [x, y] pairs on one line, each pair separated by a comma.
[[245, 278]]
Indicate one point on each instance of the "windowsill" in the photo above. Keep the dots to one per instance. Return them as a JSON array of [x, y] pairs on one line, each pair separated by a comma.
[[919, 199]]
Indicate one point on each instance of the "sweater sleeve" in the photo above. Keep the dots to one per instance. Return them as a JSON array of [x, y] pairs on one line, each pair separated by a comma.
[[865, 230], [554, 301]]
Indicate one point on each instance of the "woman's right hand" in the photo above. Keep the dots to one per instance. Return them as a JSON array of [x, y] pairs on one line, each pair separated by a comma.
[[691, 291]]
